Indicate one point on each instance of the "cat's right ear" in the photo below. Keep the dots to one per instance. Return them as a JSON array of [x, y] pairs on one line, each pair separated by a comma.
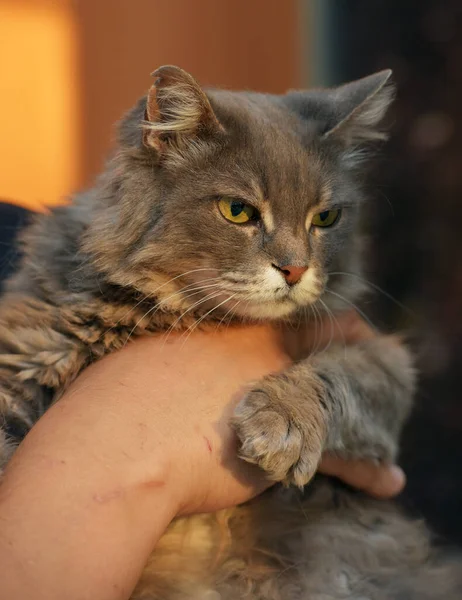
[[177, 111], [359, 108]]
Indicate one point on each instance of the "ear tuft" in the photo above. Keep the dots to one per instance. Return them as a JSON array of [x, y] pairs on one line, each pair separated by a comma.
[[176, 109], [360, 107]]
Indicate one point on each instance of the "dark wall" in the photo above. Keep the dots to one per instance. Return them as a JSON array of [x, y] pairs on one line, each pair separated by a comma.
[[417, 217]]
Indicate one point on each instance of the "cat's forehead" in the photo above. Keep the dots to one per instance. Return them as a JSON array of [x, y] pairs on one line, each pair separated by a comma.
[[270, 145]]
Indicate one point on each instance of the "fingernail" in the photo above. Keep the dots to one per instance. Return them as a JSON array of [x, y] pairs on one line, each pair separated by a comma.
[[398, 476]]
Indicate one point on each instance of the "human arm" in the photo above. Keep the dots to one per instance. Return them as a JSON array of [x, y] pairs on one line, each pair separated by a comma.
[[140, 437]]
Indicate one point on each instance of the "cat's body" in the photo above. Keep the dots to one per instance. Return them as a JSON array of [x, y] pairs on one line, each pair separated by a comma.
[[147, 250]]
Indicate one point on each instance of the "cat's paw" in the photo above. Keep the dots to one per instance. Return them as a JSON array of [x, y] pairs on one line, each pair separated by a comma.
[[284, 442]]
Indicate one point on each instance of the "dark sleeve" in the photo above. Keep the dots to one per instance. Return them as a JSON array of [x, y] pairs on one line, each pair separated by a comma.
[[12, 219]]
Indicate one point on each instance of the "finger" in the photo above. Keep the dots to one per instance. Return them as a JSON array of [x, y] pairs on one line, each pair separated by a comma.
[[380, 481], [347, 328], [353, 328]]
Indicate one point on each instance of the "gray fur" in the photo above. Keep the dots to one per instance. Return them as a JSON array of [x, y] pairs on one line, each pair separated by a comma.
[[352, 401], [146, 250]]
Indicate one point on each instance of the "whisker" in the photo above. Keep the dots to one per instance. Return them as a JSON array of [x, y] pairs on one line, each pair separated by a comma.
[[353, 305], [195, 305], [378, 289], [318, 319], [195, 325], [385, 197], [226, 314], [158, 306], [331, 321], [317, 322], [334, 319], [233, 314]]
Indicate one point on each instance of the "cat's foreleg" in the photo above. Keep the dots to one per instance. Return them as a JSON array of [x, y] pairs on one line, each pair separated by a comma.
[[351, 400]]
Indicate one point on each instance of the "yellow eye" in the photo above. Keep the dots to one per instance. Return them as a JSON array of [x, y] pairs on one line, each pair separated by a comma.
[[236, 211], [326, 218]]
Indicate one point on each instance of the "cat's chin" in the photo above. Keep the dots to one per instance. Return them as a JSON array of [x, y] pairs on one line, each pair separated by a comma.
[[266, 310]]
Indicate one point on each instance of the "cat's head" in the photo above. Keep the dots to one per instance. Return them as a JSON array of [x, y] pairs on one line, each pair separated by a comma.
[[239, 202]]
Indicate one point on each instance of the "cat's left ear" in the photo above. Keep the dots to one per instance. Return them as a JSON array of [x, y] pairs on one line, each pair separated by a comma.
[[359, 108], [177, 110]]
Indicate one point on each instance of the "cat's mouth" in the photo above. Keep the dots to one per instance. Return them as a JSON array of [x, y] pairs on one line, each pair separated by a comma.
[[228, 306], [267, 298], [277, 309]]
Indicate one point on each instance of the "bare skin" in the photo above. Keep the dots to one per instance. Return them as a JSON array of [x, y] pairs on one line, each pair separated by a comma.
[[141, 437]]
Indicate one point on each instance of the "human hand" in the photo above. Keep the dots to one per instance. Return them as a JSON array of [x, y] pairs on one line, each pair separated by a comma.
[[141, 437]]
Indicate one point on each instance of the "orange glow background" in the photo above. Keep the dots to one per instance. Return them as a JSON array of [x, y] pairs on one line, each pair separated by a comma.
[[70, 68]]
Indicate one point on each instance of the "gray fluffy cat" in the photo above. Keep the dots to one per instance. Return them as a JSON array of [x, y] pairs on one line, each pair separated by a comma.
[[220, 206]]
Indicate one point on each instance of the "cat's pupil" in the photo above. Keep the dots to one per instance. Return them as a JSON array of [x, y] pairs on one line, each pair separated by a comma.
[[236, 208], [323, 216]]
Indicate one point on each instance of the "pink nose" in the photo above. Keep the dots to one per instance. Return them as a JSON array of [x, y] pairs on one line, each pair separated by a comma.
[[291, 273]]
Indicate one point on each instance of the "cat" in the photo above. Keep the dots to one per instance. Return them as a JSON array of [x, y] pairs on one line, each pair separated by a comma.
[[219, 206]]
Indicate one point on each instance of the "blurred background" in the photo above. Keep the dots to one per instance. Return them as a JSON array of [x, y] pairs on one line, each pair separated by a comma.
[[70, 68]]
